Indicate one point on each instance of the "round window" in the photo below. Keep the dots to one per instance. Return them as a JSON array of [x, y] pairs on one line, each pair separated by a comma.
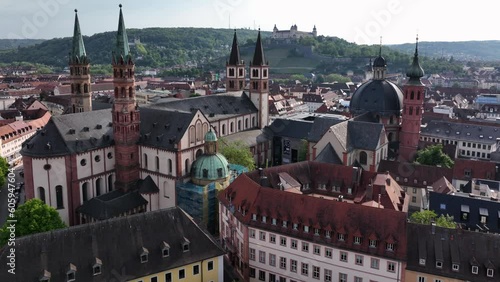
[[47, 166], [110, 156], [97, 158], [83, 162]]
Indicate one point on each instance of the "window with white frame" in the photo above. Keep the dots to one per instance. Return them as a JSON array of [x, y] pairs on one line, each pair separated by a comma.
[[372, 243], [295, 226], [328, 234], [389, 247], [391, 266], [475, 269], [341, 237], [254, 216], [293, 244], [252, 254], [439, 264], [343, 256], [305, 269], [273, 221], [306, 229], [251, 233], [490, 272], [262, 257], [272, 238], [283, 241], [374, 263], [455, 267], [328, 275], [328, 252], [262, 236], [316, 250], [272, 259], [316, 271], [305, 247], [293, 265], [359, 260], [285, 223], [264, 219], [358, 279], [316, 231], [342, 277], [282, 262], [357, 240], [421, 279]]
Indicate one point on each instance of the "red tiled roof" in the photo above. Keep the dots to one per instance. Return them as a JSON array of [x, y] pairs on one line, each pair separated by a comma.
[[247, 198], [414, 175], [477, 169]]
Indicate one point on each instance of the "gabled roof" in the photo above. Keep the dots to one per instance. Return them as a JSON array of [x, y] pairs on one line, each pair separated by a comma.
[[147, 186], [111, 204], [363, 135], [452, 246], [328, 155], [117, 244], [249, 197], [320, 127]]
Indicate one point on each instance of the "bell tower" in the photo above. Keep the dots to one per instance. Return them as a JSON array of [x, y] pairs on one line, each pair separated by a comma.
[[414, 92], [79, 67], [126, 118], [235, 68], [259, 80]]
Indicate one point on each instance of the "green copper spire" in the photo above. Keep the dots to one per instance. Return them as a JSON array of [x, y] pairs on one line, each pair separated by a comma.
[[77, 55], [415, 72], [121, 49]]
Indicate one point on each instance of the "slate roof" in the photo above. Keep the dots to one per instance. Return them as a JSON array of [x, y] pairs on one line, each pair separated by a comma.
[[297, 129], [111, 204], [211, 105], [117, 243], [328, 155], [363, 135], [320, 127], [453, 246], [163, 128], [234, 57], [147, 186], [73, 133], [463, 132]]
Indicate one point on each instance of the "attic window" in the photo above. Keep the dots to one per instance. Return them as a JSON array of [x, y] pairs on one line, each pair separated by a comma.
[[86, 129], [389, 247], [421, 261], [490, 272], [372, 243], [71, 131], [458, 132], [144, 255], [71, 273], [98, 126], [481, 136], [165, 249], [185, 245], [439, 264], [475, 269], [254, 216], [455, 267], [96, 268], [45, 276], [468, 133]]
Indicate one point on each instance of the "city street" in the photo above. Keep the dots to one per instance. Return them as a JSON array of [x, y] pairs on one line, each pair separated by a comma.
[[4, 195]]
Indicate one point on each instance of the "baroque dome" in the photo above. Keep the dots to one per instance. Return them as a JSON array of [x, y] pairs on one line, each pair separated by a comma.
[[380, 97]]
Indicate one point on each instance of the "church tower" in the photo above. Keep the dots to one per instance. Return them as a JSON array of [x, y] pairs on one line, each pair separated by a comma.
[[413, 102], [259, 80], [79, 67], [126, 118], [235, 68]]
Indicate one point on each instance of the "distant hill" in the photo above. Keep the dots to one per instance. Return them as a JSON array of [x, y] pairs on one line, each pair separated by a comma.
[[462, 50], [6, 44]]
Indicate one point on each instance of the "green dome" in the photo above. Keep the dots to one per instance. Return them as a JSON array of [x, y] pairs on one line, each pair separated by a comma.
[[210, 167], [210, 136]]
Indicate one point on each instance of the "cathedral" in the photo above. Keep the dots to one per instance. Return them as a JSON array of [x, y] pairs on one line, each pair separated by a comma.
[[97, 164]]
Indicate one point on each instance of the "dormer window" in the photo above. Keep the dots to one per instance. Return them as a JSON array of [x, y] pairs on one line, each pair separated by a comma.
[[306, 229], [490, 272], [439, 264], [273, 221], [71, 273], [144, 255], [165, 249], [285, 223], [45, 276], [185, 245], [475, 269], [372, 243], [316, 231], [254, 216], [264, 219], [341, 237], [295, 226], [455, 267], [96, 268], [421, 262], [328, 234], [357, 240], [389, 247]]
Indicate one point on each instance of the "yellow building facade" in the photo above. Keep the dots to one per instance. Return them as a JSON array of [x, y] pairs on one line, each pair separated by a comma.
[[413, 276]]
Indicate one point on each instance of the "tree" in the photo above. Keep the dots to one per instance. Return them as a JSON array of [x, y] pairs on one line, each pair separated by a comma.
[[32, 217], [237, 153], [4, 170], [433, 155], [335, 77], [428, 217]]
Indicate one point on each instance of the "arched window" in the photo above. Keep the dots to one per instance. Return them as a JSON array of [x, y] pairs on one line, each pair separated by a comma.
[[192, 134], [85, 88], [246, 123], [41, 194], [59, 197], [363, 158], [253, 122], [390, 136], [72, 88], [411, 111], [123, 92], [418, 95], [157, 160], [110, 183], [116, 92], [223, 129], [406, 94], [170, 166], [239, 125], [199, 134], [85, 191], [145, 161], [199, 152], [391, 120], [98, 187], [130, 92], [205, 128], [417, 110], [186, 165], [231, 127], [412, 95]]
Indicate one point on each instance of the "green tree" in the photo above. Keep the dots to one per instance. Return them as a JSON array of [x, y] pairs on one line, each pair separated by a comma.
[[32, 217], [237, 153], [4, 170], [427, 217], [433, 155], [335, 77]]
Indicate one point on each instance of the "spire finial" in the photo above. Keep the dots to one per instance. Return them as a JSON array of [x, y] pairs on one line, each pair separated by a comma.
[[416, 46], [76, 11], [120, 6], [380, 48]]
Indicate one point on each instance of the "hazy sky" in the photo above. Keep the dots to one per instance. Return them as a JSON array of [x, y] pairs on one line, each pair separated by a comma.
[[360, 21]]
